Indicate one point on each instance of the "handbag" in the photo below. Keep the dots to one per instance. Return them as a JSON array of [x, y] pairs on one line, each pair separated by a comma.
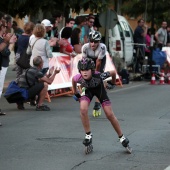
[[14, 93], [24, 60]]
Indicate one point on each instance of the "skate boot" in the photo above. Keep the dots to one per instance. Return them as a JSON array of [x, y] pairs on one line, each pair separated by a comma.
[[88, 143], [125, 142], [97, 109]]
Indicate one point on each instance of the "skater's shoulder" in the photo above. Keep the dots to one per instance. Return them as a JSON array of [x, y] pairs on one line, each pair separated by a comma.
[[77, 77]]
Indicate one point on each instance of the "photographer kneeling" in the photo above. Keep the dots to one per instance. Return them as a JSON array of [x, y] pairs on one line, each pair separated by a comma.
[[36, 83]]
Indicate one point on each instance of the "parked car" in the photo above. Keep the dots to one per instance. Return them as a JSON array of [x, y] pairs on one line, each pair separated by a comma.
[[121, 41]]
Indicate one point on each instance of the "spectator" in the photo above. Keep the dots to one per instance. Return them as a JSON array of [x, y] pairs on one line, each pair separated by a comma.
[[4, 57], [65, 46], [3, 44], [89, 25], [75, 40], [161, 35], [139, 40], [80, 23], [22, 44], [168, 35], [54, 33], [9, 21], [69, 23], [36, 83], [17, 31], [40, 47], [49, 35], [58, 16], [148, 42]]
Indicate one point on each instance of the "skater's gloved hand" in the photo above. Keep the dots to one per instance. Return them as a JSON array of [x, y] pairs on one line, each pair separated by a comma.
[[110, 85], [77, 96], [105, 75]]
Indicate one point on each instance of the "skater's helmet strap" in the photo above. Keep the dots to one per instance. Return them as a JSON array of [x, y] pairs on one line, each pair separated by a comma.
[[86, 64]]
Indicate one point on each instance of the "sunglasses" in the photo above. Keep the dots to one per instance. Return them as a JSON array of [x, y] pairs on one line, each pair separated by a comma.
[[94, 41]]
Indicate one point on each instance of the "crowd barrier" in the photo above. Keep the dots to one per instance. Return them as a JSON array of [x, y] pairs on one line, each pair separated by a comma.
[[62, 84], [167, 50]]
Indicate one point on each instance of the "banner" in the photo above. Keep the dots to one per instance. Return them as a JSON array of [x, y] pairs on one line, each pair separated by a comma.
[[167, 51], [68, 66]]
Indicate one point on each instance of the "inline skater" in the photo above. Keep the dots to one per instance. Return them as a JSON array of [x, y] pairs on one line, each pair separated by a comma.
[[92, 81], [97, 52]]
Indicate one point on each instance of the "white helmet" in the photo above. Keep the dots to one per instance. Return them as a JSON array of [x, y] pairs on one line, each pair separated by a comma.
[[95, 35]]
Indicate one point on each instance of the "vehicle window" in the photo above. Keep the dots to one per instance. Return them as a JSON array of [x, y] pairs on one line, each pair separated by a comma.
[[131, 31], [125, 28], [121, 31]]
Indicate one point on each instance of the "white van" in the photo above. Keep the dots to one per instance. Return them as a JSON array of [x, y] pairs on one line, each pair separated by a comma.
[[121, 41]]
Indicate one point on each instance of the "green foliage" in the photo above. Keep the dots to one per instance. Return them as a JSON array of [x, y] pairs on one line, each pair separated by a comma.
[[32, 7], [136, 8]]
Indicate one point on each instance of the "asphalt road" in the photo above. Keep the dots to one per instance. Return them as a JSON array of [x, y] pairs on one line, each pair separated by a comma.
[[31, 140]]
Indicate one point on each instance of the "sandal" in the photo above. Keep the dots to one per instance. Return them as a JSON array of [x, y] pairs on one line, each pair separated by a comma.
[[42, 108]]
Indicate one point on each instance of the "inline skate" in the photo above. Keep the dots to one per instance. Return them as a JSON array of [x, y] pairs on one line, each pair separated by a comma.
[[125, 142], [97, 109], [88, 143]]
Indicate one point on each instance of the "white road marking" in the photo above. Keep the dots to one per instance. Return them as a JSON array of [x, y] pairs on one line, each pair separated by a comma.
[[129, 87]]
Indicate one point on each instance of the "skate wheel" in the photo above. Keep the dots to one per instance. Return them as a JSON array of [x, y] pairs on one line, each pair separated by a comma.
[[99, 112], [88, 149], [94, 113], [129, 149]]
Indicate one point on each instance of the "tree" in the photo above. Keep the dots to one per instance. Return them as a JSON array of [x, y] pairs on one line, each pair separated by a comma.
[[136, 8], [32, 7]]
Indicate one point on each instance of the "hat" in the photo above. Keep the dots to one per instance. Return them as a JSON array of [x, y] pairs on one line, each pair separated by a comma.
[[46, 23]]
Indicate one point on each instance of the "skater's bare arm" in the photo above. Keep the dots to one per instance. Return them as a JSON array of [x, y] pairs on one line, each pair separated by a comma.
[[74, 85], [98, 64]]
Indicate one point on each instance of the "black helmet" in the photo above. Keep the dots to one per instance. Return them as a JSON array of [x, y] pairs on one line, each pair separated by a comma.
[[86, 64], [95, 35]]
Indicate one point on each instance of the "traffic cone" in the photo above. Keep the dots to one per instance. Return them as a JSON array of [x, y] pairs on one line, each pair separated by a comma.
[[162, 80], [153, 80]]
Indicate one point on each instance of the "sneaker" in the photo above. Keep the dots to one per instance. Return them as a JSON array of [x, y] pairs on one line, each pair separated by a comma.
[[42, 108], [2, 113]]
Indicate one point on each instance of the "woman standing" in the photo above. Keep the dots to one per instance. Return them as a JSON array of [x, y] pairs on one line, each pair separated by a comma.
[[22, 44], [40, 47], [4, 56]]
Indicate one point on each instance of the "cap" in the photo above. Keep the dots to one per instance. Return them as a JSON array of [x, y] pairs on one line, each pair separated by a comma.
[[46, 23]]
